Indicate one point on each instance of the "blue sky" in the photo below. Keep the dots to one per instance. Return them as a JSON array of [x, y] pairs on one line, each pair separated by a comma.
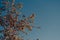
[[47, 17]]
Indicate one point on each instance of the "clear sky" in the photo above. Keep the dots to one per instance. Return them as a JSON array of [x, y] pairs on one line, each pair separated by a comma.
[[47, 17]]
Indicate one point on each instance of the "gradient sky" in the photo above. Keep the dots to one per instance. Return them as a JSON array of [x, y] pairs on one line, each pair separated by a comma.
[[47, 17]]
